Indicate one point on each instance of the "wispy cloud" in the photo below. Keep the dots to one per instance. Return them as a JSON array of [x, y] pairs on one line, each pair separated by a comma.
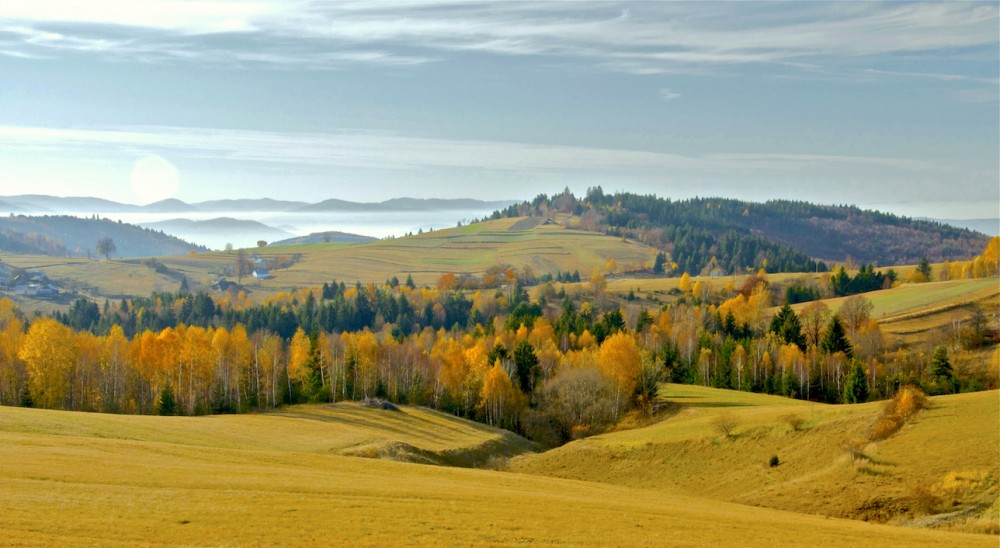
[[639, 38], [335, 163], [668, 94], [366, 149]]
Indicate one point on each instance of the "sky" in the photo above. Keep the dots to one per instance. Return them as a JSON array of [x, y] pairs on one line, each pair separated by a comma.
[[894, 106]]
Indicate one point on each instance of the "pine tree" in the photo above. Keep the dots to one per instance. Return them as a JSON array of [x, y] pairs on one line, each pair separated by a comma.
[[167, 405], [925, 269], [835, 339], [658, 264], [942, 371], [940, 364], [786, 325], [526, 362], [856, 385]]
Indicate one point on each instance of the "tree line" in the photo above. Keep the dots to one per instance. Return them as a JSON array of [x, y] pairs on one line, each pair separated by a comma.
[[552, 368]]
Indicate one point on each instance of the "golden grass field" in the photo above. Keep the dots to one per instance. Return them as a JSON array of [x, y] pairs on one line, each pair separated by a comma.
[[281, 478], [468, 249], [941, 469]]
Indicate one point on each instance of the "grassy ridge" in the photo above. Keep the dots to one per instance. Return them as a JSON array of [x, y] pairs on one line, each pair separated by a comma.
[[74, 479], [908, 478], [919, 299], [408, 433], [469, 249]]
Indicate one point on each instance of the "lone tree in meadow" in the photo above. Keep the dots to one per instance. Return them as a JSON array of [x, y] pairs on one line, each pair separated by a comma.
[[106, 246], [242, 266]]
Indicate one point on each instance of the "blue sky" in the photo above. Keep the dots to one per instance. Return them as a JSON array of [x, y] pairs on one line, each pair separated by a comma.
[[893, 105]]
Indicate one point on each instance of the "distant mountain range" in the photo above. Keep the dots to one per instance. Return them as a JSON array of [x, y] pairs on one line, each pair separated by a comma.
[[222, 228], [40, 204]]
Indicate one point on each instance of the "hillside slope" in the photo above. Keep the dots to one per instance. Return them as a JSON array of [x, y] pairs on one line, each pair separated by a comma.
[[405, 433], [941, 469], [739, 234], [463, 250], [80, 235], [83, 479], [545, 248]]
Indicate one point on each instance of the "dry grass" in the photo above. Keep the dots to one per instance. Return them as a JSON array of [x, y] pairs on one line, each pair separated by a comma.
[[682, 454], [909, 301], [78, 479], [463, 250]]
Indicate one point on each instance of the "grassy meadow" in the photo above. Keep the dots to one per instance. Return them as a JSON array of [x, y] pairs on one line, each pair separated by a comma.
[[469, 249], [941, 469], [282, 478]]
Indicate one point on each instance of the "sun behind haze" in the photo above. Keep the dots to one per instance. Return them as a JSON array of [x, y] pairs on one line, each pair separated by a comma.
[[153, 178]]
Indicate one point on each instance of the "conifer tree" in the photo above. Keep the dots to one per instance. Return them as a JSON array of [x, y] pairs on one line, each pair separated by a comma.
[[835, 339], [856, 385], [167, 404]]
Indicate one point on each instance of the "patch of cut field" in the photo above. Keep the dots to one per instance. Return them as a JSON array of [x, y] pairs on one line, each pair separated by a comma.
[[73, 479], [910, 300]]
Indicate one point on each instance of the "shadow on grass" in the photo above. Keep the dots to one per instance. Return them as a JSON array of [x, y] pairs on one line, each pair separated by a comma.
[[711, 404]]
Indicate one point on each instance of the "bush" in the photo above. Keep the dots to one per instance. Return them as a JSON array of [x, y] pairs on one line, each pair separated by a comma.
[[797, 422], [725, 424], [909, 400], [773, 462], [885, 426], [897, 411]]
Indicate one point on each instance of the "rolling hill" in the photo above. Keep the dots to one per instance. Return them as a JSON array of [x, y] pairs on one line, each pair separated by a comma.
[[786, 236], [281, 478], [463, 250], [940, 470], [217, 232], [331, 236], [79, 235]]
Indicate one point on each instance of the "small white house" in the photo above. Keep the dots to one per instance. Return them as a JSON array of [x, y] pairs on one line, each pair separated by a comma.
[[261, 274]]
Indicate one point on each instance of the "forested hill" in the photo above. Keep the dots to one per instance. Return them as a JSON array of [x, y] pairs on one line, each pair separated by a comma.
[[742, 234], [64, 235]]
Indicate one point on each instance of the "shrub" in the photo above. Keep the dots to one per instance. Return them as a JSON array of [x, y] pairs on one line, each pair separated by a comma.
[[797, 422], [897, 411], [922, 500], [909, 400], [885, 426], [725, 424], [773, 462]]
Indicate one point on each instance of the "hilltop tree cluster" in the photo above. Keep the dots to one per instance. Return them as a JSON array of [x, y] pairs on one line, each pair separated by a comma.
[[702, 233]]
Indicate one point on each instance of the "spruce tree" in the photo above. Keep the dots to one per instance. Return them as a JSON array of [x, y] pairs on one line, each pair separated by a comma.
[[167, 405], [786, 325], [658, 263], [924, 267], [941, 369], [940, 364], [835, 339], [856, 385]]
